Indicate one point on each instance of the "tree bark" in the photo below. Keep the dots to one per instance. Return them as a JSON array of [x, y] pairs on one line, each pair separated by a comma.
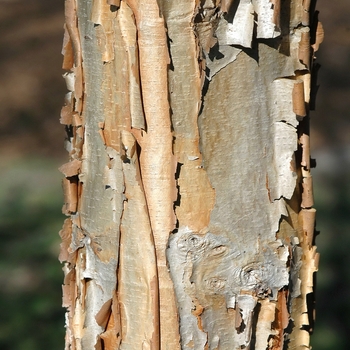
[[188, 191]]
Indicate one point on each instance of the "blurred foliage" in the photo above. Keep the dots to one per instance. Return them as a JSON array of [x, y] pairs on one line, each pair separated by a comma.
[[30, 274], [332, 197]]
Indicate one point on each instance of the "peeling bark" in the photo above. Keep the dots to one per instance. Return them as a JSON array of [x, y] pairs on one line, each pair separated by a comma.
[[189, 193]]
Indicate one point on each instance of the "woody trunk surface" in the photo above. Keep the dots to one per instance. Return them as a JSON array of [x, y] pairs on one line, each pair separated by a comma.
[[188, 189]]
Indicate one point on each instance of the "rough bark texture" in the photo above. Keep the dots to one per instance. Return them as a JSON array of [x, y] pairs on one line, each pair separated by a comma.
[[188, 190]]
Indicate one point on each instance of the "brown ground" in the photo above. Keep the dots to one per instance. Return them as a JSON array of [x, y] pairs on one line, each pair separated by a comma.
[[331, 122], [32, 88]]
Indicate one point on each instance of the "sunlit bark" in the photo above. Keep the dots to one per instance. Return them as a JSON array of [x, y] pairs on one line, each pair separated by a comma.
[[188, 190]]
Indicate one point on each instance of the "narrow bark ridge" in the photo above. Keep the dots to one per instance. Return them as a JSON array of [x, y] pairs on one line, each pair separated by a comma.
[[188, 189]]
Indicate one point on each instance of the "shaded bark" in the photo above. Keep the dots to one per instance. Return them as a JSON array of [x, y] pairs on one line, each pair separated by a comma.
[[189, 194]]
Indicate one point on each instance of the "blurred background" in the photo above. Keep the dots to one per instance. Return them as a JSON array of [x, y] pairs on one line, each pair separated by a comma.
[[31, 149]]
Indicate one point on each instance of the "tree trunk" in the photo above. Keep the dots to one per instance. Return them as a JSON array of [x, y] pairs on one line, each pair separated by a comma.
[[188, 190]]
